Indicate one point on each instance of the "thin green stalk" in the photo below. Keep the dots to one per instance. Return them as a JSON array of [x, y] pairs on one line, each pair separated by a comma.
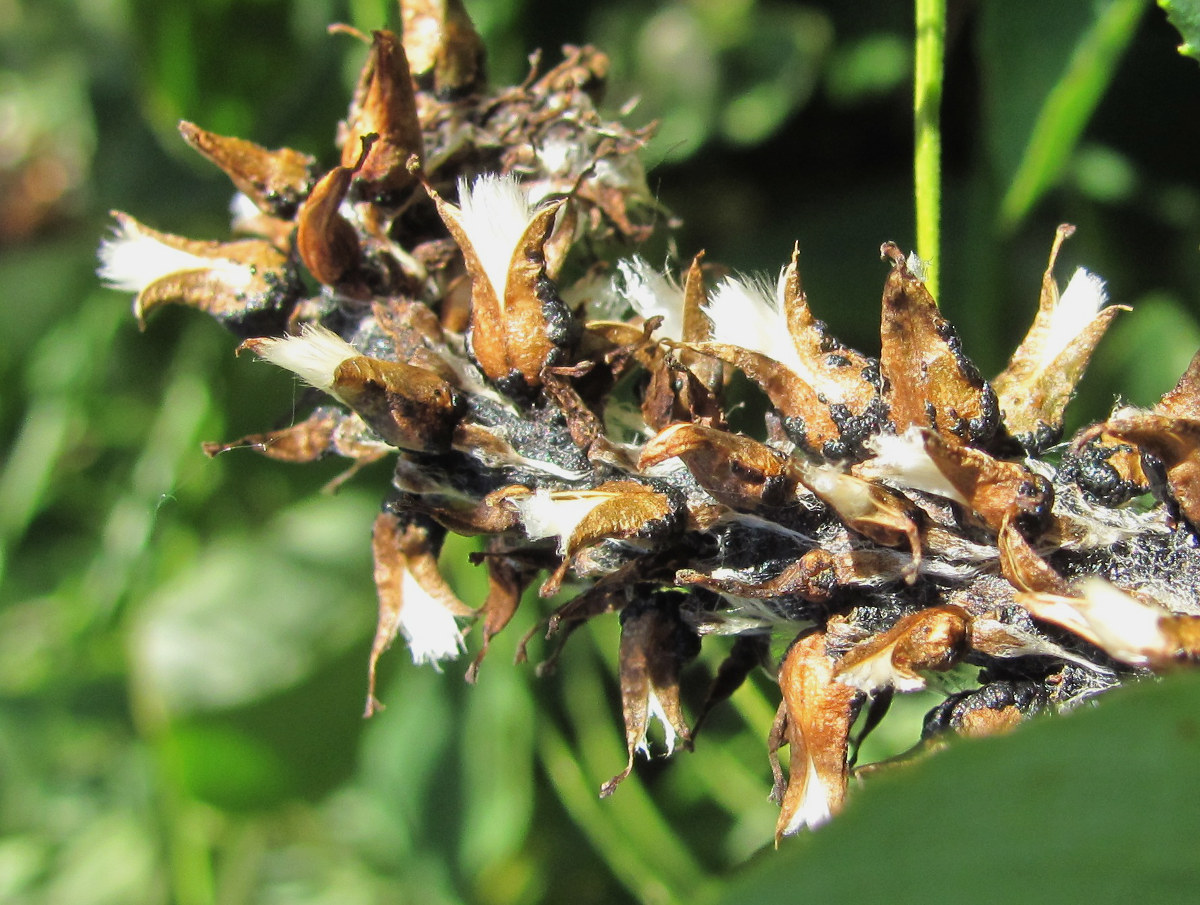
[[927, 154]]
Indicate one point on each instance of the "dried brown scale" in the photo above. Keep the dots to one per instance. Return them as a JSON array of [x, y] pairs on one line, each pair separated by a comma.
[[327, 242], [931, 381], [881, 515], [275, 181], [384, 106], [1038, 383]]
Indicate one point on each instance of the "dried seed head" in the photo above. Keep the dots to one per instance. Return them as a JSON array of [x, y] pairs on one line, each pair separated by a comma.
[[879, 514]]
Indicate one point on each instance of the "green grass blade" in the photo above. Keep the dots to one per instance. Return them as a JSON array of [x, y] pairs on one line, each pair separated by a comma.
[[1069, 106], [927, 153]]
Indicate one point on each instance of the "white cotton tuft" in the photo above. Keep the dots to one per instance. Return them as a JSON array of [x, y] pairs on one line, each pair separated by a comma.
[[314, 355], [132, 260], [547, 515], [1077, 307], [748, 313], [495, 213], [814, 810], [651, 294], [877, 672], [902, 459], [917, 266], [1128, 629], [851, 498], [427, 626], [669, 734], [242, 212]]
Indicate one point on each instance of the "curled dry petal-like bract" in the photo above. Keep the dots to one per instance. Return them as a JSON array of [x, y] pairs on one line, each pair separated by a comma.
[[1183, 400], [738, 471], [932, 382], [816, 713], [1021, 564], [230, 281], [996, 490], [383, 106], [1125, 627], [630, 511], [1040, 379], [931, 640], [409, 407], [902, 460], [875, 511], [519, 325], [326, 431], [621, 510], [846, 380], [414, 599], [443, 46], [655, 643], [307, 441], [813, 576], [507, 580], [751, 331], [697, 328], [791, 395], [326, 241], [276, 181]]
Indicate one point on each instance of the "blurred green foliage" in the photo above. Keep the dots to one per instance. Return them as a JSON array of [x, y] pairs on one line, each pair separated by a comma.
[[183, 641]]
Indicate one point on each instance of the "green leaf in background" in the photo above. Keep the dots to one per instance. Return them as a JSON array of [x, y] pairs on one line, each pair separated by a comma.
[[1047, 67], [255, 615], [736, 71], [1185, 16], [1098, 806]]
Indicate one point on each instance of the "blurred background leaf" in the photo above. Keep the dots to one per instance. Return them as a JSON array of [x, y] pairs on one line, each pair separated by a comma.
[[1051, 814], [183, 640], [1185, 16], [1040, 129]]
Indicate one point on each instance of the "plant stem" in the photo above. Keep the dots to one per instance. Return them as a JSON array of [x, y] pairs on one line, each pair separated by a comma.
[[927, 153]]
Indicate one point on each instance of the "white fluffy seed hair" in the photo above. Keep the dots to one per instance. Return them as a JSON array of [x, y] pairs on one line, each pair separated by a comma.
[[917, 266], [902, 459], [1126, 628], [1078, 305], [428, 627], [545, 515], [747, 312], [651, 294], [313, 356], [814, 810], [658, 712], [131, 260], [242, 212], [495, 212]]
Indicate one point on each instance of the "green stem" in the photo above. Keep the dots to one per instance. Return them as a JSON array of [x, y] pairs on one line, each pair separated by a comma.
[[927, 154]]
